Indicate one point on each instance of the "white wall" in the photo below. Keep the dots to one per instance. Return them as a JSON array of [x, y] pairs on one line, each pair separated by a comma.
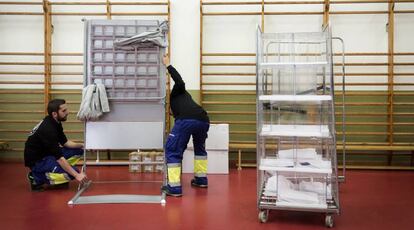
[[362, 33], [185, 40]]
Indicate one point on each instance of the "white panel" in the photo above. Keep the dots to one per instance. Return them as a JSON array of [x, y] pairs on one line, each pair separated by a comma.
[[124, 135], [218, 162], [218, 138], [217, 146]]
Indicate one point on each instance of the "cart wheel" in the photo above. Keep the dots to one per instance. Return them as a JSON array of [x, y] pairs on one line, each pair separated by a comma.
[[329, 221], [263, 215]]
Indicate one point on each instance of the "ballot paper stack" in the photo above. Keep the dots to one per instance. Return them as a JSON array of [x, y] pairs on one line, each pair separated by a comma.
[[147, 162], [159, 158], [134, 158], [147, 157]]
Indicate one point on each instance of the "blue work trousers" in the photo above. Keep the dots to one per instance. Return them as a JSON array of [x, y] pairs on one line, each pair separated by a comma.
[[48, 170], [177, 143]]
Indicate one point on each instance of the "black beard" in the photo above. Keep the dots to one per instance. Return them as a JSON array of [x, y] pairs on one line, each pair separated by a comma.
[[62, 118]]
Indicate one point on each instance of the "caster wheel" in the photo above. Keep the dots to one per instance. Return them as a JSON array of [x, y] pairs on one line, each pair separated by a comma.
[[263, 215], [329, 221]]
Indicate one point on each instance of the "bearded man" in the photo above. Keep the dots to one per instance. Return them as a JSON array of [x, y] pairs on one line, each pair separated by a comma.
[[49, 155]]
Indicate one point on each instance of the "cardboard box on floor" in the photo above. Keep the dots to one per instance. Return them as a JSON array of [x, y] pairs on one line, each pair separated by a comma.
[[217, 146]]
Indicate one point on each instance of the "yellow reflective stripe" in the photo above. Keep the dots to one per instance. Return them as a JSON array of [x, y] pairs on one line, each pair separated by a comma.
[[73, 160], [174, 174], [57, 178], [200, 166]]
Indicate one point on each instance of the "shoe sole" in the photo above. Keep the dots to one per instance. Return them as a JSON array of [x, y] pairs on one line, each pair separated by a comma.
[[171, 194], [174, 195], [199, 185]]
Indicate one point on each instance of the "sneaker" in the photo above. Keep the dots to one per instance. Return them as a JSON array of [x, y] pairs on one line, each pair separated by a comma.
[[168, 191], [199, 182], [34, 187]]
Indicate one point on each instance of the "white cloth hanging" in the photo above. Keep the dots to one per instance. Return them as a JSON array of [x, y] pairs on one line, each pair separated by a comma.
[[94, 102]]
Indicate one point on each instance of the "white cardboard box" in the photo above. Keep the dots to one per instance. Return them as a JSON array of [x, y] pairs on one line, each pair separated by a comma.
[[217, 147]]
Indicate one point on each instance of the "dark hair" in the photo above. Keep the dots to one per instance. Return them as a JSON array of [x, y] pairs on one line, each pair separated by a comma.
[[54, 105]]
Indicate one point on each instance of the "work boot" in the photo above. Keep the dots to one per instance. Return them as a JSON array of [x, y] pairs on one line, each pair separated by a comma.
[[34, 187], [200, 182], [171, 191]]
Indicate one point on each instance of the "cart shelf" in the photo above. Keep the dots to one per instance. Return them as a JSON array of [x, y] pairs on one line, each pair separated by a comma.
[[321, 131], [295, 98], [292, 64]]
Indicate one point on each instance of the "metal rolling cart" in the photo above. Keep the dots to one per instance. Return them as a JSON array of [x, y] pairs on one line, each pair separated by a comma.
[[134, 78], [296, 143]]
